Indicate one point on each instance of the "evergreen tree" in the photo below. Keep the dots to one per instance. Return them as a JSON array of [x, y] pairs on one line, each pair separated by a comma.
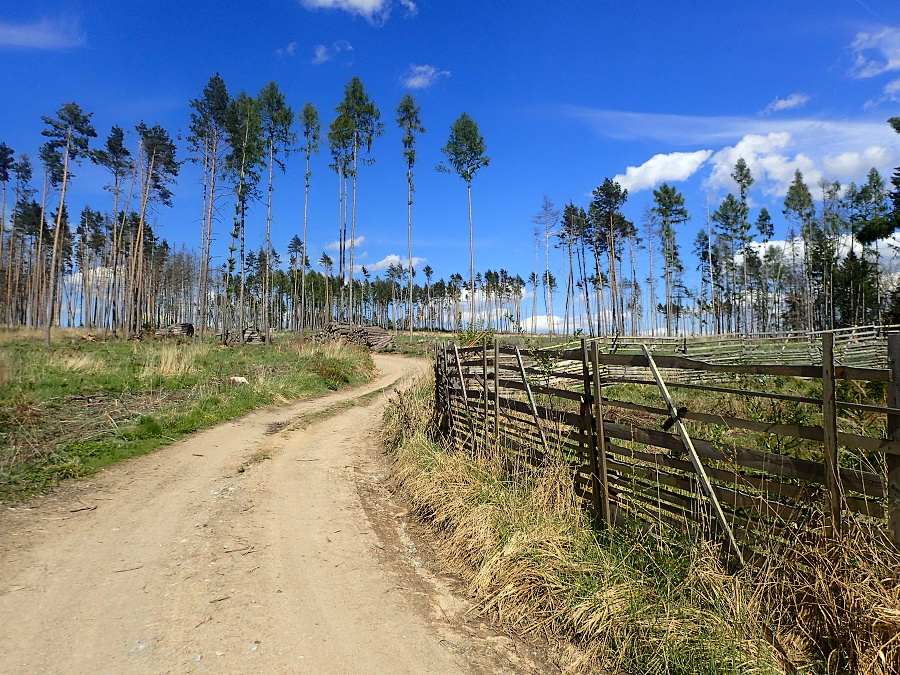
[[208, 142], [670, 211], [361, 127], [410, 124], [311, 131], [276, 121], [69, 133], [465, 153]]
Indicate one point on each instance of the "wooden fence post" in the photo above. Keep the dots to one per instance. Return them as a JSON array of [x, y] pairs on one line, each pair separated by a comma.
[[590, 427], [602, 484], [835, 495], [484, 379], [893, 430], [496, 391]]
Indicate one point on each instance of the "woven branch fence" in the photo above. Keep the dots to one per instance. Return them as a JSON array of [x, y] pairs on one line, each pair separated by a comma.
[[751, 478]]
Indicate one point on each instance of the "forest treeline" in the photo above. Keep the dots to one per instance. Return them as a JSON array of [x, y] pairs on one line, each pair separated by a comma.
[[104, 266]]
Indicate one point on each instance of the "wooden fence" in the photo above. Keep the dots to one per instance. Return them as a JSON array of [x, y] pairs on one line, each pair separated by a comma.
[[713, 458]]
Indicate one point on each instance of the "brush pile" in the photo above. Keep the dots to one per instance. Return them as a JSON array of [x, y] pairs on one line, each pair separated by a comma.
[[372, 337]]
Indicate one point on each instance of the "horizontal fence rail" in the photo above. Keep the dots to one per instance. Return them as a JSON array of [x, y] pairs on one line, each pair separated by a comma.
[[745, 459]]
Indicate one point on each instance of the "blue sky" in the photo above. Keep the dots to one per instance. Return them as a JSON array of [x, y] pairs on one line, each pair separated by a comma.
[[565, 94]]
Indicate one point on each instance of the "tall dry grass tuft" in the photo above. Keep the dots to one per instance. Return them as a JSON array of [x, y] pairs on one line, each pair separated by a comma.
[[20, 334], [174, 360], [840, 599], [530, 557]]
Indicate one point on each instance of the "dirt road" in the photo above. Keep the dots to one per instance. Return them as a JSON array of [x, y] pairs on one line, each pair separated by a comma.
[[205, 557]]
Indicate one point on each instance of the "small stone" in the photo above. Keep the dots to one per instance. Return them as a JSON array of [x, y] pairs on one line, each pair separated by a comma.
[[198, 657]]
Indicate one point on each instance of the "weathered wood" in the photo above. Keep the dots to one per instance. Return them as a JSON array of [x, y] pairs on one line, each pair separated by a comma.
[[534, 408], [893, 430], [695, 459], [858, 481], [790, 430], [680, 362], [601, 444], [720, 390], [834, 494], [540, 389], [496, 389], [465, 398], [591, 427]]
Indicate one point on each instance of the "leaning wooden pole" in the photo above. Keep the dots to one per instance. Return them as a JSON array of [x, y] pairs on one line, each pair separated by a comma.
[[703, 479], [465, 396], [534, 410]]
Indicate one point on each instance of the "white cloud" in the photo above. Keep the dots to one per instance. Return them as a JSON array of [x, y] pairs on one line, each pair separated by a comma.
[[772, 168], [374, 11], [49, 34], [877, 52], [772, 148], [410, 7], [795, 100], [336, 245], [422, 77], [394, 259], [661, 168], [850, 164], [887, 249], [289, 50], [323, 53]]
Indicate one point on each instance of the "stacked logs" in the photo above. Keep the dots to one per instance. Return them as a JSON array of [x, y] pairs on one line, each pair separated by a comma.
[[372, 337], [183, 329]]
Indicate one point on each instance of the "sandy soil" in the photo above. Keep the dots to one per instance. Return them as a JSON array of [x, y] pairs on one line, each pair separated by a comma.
[[205, 557]]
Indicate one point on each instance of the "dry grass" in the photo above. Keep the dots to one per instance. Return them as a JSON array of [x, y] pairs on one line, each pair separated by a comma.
[[8, 335], [628, 603], [838, 598], [174, 360], [616, 602]]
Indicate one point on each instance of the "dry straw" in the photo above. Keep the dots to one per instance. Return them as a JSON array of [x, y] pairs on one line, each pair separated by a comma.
[[624, 602]]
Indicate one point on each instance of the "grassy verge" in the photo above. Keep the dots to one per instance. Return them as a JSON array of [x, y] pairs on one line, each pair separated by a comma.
[[622, 602], [66, 411]]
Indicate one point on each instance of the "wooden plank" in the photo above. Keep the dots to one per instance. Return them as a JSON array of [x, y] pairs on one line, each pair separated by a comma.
[[789, 430], [732, 496], [764, 484], [590, 429], [721, 390], [748, 458], [496, 389], [681, 362], [834, 494], [561, 416], [540, 389], [484, 382]]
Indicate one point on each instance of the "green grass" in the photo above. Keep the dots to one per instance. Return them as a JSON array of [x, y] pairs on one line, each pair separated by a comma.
[[66, 411]]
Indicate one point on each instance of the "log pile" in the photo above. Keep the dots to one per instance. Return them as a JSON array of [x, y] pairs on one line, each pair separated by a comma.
[[253, 336], [185, 329], [372, 337]]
